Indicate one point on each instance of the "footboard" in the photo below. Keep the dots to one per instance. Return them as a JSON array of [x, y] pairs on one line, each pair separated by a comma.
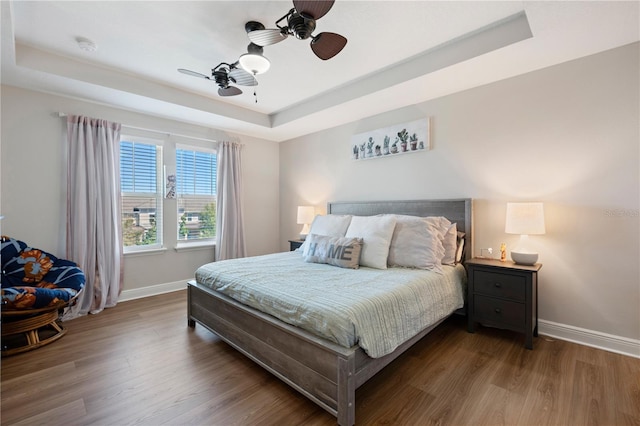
[[322, 371]]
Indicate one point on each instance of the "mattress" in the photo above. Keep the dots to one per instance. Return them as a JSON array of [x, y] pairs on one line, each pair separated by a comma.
[[375, 309]]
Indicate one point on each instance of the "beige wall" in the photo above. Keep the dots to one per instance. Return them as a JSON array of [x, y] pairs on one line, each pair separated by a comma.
[[33, 198], [566, 135]]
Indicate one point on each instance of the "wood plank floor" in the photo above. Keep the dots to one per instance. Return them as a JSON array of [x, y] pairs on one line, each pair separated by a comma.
[[139, 363]]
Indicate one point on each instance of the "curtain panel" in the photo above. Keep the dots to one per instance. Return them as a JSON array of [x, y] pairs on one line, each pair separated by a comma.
[[94, 235], [230, 242]]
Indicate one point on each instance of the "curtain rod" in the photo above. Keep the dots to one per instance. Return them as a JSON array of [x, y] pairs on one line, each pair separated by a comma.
[[64, 114]]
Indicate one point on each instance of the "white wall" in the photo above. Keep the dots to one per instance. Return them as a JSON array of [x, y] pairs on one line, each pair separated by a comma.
[[566, 135], [33, 198]]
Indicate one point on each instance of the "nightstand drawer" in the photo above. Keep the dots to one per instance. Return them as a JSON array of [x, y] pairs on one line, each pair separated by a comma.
[[498, 311], [500, 284], [295, 244]]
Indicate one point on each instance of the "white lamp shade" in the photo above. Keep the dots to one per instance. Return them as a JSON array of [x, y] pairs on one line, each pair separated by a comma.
[[305, 215], [254, 63], [525, 218]]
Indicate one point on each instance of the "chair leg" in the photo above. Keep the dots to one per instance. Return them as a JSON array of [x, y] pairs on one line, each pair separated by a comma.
[[22, 335], [32, 337]]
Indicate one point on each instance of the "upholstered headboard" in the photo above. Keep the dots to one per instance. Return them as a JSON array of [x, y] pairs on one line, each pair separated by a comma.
[[459, 211]]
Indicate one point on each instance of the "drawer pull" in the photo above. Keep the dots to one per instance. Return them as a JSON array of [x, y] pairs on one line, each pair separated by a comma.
[[497, 285], [498, 311]]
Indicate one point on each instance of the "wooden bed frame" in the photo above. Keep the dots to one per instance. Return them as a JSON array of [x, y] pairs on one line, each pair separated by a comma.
[[324, 372]]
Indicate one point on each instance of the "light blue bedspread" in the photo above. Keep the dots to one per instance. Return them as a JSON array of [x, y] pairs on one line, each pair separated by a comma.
[[376, 309]]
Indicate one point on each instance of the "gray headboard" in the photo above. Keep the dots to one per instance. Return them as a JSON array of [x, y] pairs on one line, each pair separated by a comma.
[[459, 211]]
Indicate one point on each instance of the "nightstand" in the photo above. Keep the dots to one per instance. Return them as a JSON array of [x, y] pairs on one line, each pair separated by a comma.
[[503, 295], [294, 244]]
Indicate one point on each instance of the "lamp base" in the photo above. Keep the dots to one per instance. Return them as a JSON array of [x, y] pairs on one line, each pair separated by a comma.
[[524, 258], [304, 231]]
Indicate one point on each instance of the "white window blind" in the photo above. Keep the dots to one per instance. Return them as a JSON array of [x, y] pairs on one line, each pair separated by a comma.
[[196, 174], [138, 167], [140, 182]]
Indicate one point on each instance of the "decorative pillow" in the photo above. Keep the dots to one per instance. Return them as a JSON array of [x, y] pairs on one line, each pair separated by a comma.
[[332, 225], [450, 244], [460, 246], [338, 251], [376, 232], [443, 224], [416, 243]]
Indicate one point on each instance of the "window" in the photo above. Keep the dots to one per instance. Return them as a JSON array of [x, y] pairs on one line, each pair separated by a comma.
[[147, 159], [196, 191], [141, 189]]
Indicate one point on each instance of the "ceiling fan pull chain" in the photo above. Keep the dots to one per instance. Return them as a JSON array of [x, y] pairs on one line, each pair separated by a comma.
[[255, 95]]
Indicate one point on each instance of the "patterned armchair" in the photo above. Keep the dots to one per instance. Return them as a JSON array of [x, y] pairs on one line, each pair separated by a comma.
[[36, 287]]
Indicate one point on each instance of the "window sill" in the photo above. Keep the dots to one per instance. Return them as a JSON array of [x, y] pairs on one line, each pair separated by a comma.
[[200, 245], [149, 252]]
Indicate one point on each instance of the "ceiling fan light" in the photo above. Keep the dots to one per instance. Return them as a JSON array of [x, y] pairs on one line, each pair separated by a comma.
[[254, 63]]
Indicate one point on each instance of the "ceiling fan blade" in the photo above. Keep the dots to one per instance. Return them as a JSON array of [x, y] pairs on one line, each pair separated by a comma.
[[229, 91], [193, 73], [242, 77], [266, 37], [316, 9], [327, 45]]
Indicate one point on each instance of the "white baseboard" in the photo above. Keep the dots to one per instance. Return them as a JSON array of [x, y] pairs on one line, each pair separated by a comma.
[[595, 339], [152, 290]]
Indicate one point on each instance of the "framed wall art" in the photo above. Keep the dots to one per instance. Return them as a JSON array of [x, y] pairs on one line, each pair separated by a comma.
[[406, 138]]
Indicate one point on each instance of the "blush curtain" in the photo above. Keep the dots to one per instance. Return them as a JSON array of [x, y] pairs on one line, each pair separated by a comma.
[[230, 242], [94, 236]]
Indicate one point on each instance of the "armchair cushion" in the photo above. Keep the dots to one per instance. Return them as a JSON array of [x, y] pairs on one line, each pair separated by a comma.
[[33, 278]]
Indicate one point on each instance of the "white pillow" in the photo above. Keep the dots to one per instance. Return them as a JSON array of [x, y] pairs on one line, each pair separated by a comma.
[[450, 244], [460, 249], [376, 232], [443, 224], [331, 225], [417, 243]]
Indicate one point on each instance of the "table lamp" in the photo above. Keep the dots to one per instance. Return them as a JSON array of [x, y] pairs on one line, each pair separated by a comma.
[[524, 219], [305, 217]]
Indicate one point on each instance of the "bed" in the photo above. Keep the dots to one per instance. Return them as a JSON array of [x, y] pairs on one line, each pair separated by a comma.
[[324, 371]]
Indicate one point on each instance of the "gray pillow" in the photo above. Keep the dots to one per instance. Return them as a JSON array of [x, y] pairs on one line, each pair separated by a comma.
[[337, 251], [417, 243]]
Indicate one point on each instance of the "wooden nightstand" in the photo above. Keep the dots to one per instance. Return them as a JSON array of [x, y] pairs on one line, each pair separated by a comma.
[[503, 295], [294, 244]]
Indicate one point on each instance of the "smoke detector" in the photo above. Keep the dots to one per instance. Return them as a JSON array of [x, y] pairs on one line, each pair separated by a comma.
[[86, 44]]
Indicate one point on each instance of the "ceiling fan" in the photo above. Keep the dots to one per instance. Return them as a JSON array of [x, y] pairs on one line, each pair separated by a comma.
[[300, 22], [224, 74]]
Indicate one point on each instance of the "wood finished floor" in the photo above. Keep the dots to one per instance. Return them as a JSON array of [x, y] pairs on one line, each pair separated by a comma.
[[139, 363]]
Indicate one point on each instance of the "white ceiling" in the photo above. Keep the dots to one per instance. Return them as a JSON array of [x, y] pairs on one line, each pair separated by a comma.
[[398, 53]]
